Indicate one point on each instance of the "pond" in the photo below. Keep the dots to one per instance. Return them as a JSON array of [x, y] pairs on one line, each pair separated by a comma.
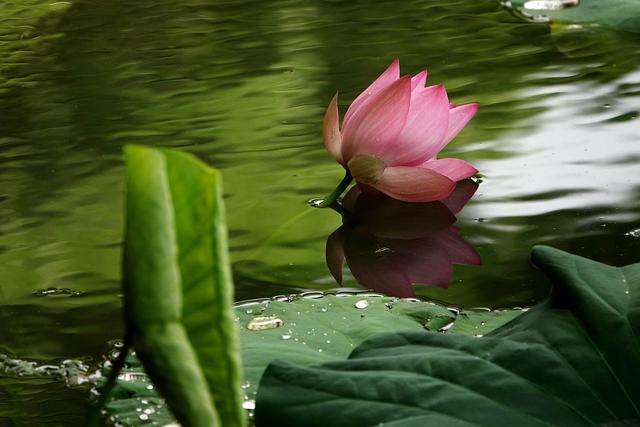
[[244, 86]]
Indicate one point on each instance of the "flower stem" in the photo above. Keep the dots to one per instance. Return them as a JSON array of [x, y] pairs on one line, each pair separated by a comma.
[[331, 198], [105, 393]]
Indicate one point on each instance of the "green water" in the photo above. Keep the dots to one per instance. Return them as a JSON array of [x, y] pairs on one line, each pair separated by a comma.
[[244, 85]]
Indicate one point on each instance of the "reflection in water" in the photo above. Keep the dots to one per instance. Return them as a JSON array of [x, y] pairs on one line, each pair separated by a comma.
[[389, 244]]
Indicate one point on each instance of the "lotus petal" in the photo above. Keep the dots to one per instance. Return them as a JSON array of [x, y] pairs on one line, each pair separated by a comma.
[[390, 75], [458, 118], [378, 123], [454, 169], [334, 253], [418, 81], [331, 131], [425, 128], [414, 184]]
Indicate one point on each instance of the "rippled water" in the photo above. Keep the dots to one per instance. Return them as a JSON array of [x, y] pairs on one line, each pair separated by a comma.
[[244, 85]]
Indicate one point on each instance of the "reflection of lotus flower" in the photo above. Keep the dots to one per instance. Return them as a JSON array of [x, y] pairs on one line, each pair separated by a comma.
[[389, 244], [392, 133]]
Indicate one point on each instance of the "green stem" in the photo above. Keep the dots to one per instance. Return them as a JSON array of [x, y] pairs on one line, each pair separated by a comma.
[[331, 198], [105, 392]]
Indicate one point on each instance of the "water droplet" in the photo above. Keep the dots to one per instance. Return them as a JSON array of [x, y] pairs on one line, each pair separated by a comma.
[[60, 292], [633, 233], [150, 387], [312, 295], [144, 417], [323, 309], [249, 404], [286, 336], [47, 369], [316, 203], [480, 219], [446, 327], [133, 376], [246, 385], [363, 303], [550, 4], [264, 322], [482, 323], [319, 350]]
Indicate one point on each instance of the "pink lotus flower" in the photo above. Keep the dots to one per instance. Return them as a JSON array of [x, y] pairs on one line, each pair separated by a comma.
[[392, 133]]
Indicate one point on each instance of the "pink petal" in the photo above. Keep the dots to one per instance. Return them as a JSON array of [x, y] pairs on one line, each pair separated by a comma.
[[393, 219], [460, 251], [334, 253], [425, 128], [379, 122], [454, 169], [390, 75], [418, 81], [460, 196], [452, 105], [382, 273], [426, 262], [458, 118], [414, 184], [331, 131]]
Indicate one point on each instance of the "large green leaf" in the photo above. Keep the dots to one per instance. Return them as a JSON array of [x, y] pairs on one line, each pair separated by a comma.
[[574, 361], [305, 329], [178, 287], [319, 329], [617, 14]]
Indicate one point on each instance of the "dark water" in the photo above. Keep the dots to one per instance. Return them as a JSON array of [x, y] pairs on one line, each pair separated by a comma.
[[244, 85]]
